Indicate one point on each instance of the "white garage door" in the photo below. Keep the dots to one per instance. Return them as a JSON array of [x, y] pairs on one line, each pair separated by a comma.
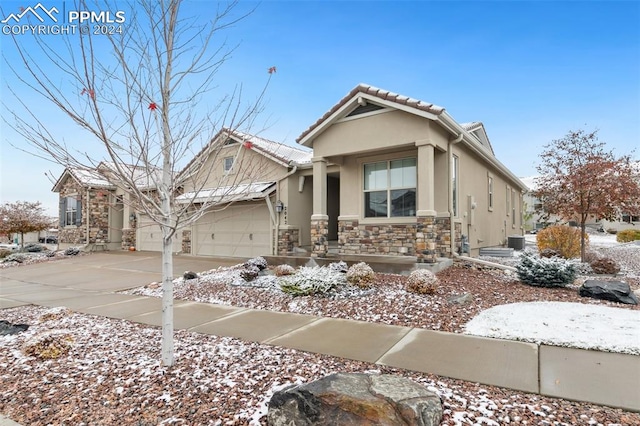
[[149, 236], [240, 230]]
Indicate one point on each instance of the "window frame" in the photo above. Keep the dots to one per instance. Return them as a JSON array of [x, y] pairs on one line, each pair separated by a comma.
[[388, 189], [231, 159], [490, 191], [70, 211]]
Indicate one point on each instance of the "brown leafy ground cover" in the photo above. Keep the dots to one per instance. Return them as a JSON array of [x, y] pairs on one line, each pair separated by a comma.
[[111, 373]]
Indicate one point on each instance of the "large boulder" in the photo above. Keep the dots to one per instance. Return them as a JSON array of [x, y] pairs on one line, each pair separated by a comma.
[[355, 399], [615, 291]]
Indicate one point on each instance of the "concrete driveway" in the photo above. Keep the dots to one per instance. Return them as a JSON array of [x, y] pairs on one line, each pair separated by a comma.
[[105, 272]]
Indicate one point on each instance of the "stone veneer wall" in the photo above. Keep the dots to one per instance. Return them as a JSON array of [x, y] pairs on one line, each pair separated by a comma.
[[129, 237], [443, 236], [386, 239], [95, 207], [319, 242], [186, 241], [287, 240]]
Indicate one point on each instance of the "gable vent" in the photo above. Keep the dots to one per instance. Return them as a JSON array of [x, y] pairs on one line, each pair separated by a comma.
[[362, 109]]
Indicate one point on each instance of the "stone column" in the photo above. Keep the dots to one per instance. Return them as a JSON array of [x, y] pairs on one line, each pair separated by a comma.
[[425, 227], [319, 218]]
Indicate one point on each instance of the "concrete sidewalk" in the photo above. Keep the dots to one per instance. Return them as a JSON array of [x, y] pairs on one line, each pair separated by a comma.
[[613, 378]]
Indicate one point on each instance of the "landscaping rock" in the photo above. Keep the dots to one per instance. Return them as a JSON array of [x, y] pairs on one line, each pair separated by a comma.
[[189, 275], [460, 299], [615, 291], [355, 399], [7, 328]]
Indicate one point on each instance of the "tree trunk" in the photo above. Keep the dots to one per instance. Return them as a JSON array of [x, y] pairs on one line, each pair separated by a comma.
[[22, 241], [167, 300], [583, 227]]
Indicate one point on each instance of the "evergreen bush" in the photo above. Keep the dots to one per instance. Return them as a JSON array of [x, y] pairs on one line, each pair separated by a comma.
[[311, 281], [259, 262], [545, 272]]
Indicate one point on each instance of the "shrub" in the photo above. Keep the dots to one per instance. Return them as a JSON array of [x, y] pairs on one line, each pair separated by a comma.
[[33, 248], [189, 275], [591, 256], [15, 257], [628, 235], [311, 280], [339, 267], [259, 262], [250, 273], [549, 253], [283, 270], [563, 239], [49, 345], [545, 272], [422, 281], [4, 253], [360, 275], [55, 314], [72, 251], [604, 265]]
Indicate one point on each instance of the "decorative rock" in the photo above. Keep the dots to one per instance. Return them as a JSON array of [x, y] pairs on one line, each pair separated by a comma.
[[7, 328], [355, 399], [615, 291], [189, 275], [460, 299]]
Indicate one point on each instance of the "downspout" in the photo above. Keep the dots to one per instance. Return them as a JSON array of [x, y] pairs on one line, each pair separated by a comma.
[[485, 262], [452, 229], [274, 249]]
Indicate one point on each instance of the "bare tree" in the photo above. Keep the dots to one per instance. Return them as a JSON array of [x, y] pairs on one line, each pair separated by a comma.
[[579, 179], [21, 218], [147, 98]]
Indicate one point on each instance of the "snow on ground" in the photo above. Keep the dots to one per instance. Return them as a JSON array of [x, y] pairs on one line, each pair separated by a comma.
[[574, 325]]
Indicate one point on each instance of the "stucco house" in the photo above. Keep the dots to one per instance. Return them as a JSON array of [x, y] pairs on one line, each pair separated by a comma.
[[377, 174]]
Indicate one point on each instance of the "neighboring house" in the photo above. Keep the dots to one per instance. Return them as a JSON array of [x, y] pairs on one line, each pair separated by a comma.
[[95, 208], [388, 175], [536, 218]]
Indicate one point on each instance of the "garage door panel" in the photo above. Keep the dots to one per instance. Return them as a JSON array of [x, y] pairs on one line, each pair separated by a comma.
[[149, 237], [239, 230]]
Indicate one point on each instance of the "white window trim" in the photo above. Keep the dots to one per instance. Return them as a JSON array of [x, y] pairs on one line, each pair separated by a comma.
[[490, 191], [224, 163], [388, 189]]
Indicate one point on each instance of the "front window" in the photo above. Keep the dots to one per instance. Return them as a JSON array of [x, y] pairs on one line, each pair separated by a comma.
[[390, 188], [71, 211]]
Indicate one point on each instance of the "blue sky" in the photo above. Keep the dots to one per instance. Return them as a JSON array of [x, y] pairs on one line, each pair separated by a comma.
[[530, 71]]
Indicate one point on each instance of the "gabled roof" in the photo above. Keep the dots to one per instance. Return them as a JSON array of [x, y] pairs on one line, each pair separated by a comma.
[[228, 194], [473, 134], [85, 177], [476, 128], [282, 154], [371, 92], [141, 176]]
